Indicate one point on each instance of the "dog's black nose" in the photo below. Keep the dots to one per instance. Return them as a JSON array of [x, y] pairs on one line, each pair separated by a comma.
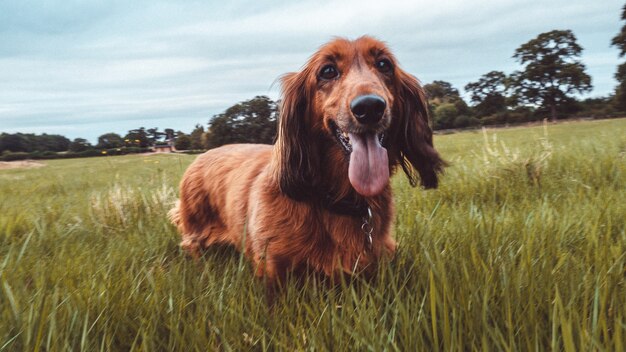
[[368, 109]]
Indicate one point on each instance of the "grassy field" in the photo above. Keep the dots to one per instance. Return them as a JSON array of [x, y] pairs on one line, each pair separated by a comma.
[[523, 247]]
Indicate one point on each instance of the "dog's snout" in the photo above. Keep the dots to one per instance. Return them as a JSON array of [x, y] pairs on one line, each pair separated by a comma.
[[368, 109]]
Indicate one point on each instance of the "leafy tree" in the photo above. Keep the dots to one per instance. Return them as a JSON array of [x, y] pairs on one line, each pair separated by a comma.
[[196, 138], [169, 133], [552, 72], [251, 121], [463, 121], [49, 142], [444, 115], [600, 106], [154, 135], [80, 145], [445, 104], [137, 138], [183, 141], [13, 142], [462, 107], [620, 39], [28, 142], [442, 91], [489, 93], [620, 42], [110, 140]]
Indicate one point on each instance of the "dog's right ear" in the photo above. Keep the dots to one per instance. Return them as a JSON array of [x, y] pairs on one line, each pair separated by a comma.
[[296, 151]]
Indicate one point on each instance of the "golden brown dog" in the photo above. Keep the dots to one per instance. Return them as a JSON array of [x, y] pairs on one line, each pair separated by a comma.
[[319, 198]]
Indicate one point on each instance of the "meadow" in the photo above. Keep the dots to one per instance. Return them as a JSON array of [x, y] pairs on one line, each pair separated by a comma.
[[523, 247]]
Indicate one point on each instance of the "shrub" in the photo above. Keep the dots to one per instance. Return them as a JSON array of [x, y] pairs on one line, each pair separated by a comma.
[[463, 121], [444, 115], [8, 156]]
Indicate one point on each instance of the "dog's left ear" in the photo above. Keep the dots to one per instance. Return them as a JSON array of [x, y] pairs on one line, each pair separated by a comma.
[[413, 133], [296, 151]]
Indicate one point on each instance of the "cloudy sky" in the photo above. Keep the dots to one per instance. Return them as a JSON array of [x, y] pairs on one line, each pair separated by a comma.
[[84, 68]]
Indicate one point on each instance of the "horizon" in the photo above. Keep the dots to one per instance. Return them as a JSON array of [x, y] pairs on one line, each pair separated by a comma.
[[83, 70]]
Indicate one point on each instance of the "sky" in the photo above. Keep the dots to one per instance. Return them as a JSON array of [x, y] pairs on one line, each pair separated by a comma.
[[85, 68]]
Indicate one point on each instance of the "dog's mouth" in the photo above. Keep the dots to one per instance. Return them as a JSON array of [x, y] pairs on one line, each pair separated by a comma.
[[344, 138], [368, 168]]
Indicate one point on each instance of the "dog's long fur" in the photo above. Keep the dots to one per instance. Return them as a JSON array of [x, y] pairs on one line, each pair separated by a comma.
[[282, 204]]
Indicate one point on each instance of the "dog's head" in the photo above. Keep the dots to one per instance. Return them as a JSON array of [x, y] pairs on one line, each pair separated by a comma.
[[354, 93]]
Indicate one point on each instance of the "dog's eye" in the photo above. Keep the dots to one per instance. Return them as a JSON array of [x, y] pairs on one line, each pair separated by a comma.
[[384, 66], [329, 72]]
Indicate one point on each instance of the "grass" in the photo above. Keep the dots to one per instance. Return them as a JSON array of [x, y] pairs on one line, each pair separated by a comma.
[[523, 247]]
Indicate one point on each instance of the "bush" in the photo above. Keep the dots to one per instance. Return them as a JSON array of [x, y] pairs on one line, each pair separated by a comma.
[[183, 142], [126, 150], [192, 151], [463, 121], [84, 154], [8, 156], [520, 115], [444, 115]]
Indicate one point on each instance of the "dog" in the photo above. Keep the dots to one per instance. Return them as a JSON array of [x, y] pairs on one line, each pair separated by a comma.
[[319, 199]]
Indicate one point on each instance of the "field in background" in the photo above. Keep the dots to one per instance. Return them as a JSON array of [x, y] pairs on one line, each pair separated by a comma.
[[523, 247]]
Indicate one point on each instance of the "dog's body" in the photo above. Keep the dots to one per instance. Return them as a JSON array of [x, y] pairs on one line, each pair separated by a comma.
[[320, 197]]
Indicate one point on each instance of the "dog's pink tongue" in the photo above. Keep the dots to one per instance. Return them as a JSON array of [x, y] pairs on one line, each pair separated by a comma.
[[369, 166]]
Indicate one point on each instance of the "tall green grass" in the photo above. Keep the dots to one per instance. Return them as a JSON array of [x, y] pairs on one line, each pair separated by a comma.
[[523, 247]]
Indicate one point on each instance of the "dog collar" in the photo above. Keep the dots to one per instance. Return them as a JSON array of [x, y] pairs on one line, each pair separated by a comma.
[[353, 207], [367, 227], [349, 206]]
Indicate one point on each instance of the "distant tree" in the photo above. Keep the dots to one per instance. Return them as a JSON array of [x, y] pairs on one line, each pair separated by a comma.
[[599, 106], [196, 137], [137, 138], [489, 93], [619, 41], [183, 141], [110, 140], [28, 142], [154, 135], [48, 142], [13, 142], [80, 145], [169, 133], [552, 71], [441, 90], [445, 104], [251, 121]]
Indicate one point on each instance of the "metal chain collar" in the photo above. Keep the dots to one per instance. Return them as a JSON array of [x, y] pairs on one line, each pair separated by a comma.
[[367, 228]]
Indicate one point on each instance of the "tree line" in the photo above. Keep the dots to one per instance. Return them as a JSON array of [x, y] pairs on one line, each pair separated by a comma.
[[551, 77]]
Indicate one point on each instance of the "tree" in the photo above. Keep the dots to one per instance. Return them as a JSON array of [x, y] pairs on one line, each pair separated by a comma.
[[489, 93], [251, 121], [196, 138], [48, 142], [28, 142], [552, 72], [80, 145], [137, 138], [444, 116], [110, 140], [441, 90], [442, 94], [183, 141], [13, 142], [154, 135], [620, 42], [169, 133]]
